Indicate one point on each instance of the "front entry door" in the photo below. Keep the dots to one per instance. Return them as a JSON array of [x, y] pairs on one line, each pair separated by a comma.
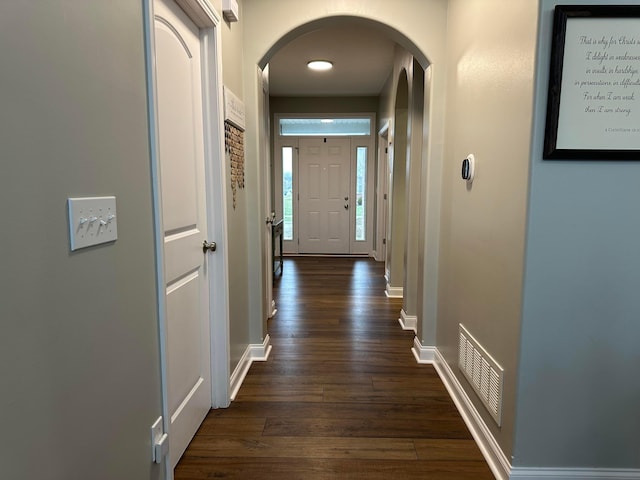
[[180, 125], [324, 178]]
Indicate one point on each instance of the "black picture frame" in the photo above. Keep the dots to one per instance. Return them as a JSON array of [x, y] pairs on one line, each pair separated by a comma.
[[598, 118]]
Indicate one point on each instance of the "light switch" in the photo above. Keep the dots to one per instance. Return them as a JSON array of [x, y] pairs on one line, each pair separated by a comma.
[[92, 220]]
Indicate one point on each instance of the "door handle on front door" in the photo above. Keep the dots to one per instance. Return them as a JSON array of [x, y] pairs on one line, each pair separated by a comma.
[[208, 247], [346, 206]]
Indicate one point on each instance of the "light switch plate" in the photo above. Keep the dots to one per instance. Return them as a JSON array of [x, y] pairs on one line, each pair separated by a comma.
[[157, 433], [92, 220]]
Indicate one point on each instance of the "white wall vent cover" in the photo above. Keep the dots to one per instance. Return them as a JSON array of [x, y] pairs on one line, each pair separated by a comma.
[[483, 372]]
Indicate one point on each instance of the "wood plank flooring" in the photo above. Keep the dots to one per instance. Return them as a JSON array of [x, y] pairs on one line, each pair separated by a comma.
[[341, 396]]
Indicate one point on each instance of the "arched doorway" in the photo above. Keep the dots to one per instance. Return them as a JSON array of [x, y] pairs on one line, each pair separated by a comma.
[[397, 223], [414, 37]]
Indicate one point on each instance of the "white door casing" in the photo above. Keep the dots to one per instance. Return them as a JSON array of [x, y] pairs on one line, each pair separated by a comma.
[[382, 194], [265, 168], [179, 88], [388, 205], [324, 167]]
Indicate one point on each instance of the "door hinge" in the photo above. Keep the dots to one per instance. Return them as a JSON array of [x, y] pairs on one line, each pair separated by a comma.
[[384, 241], [386, 149], [385, 196]]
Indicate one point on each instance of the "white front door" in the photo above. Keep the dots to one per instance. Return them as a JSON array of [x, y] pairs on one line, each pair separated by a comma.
[[181, 145], [324, 185]]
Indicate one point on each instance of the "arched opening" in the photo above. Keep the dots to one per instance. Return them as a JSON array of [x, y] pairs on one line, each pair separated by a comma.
[[345, 20], [397, 225], [406, 57]]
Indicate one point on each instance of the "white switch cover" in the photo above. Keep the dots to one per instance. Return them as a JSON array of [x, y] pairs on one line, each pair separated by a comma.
[[158, 441], [92, 220]]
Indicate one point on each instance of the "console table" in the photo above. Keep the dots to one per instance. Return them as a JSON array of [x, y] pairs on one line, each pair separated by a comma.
[[276, 232]]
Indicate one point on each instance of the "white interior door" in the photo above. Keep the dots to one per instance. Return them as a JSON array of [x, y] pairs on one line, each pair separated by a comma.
[[324, 187], [181, 152]]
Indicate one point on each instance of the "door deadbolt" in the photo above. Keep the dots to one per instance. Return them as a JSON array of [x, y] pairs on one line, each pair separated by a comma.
[[208, 247]]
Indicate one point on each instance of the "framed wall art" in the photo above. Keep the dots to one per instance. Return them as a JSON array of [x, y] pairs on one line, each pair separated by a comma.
[[593, 107]]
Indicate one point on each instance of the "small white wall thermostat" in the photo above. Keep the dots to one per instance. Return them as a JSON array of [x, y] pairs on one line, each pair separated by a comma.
[[468, 168]]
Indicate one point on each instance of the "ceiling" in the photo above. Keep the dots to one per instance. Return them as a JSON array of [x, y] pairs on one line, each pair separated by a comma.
[[362, 61]]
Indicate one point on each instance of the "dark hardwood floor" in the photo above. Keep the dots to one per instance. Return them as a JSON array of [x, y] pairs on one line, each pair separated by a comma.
[[341, 396]]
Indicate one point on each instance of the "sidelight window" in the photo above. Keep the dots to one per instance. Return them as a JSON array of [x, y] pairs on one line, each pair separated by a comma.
[[287, 193], [361, 193]]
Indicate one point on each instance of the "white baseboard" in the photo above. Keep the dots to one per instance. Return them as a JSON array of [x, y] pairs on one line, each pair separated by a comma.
[[522, 473], [255, 352], [423, 354], [493, 454], [394, 292], [408, 322]]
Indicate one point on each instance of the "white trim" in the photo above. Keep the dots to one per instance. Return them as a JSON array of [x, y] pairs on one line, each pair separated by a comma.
[[394, 292], [493, 454], [423, 354], [264, 172], [408, 322], [201, 12], [158, 230], [255, 352], [522, 473], [381, 190], [218, 264]]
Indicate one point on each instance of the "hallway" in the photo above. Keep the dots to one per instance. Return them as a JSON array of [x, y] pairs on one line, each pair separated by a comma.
[[341, 396]]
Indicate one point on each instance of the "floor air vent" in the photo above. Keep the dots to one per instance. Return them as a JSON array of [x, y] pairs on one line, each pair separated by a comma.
[[482, 371]]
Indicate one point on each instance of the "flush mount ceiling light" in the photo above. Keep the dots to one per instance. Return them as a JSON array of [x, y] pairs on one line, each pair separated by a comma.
[[320, 65]]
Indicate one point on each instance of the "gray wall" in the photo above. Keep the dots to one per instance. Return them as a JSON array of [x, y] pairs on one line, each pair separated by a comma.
[[413, 190], [78, 331], [429, 234], [397, 239], [401, 103], [236, 217], [323, 104], [578, 389], [482, 235]]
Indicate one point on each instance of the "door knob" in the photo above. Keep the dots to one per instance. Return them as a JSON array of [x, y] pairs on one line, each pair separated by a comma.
[[208, 247]]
